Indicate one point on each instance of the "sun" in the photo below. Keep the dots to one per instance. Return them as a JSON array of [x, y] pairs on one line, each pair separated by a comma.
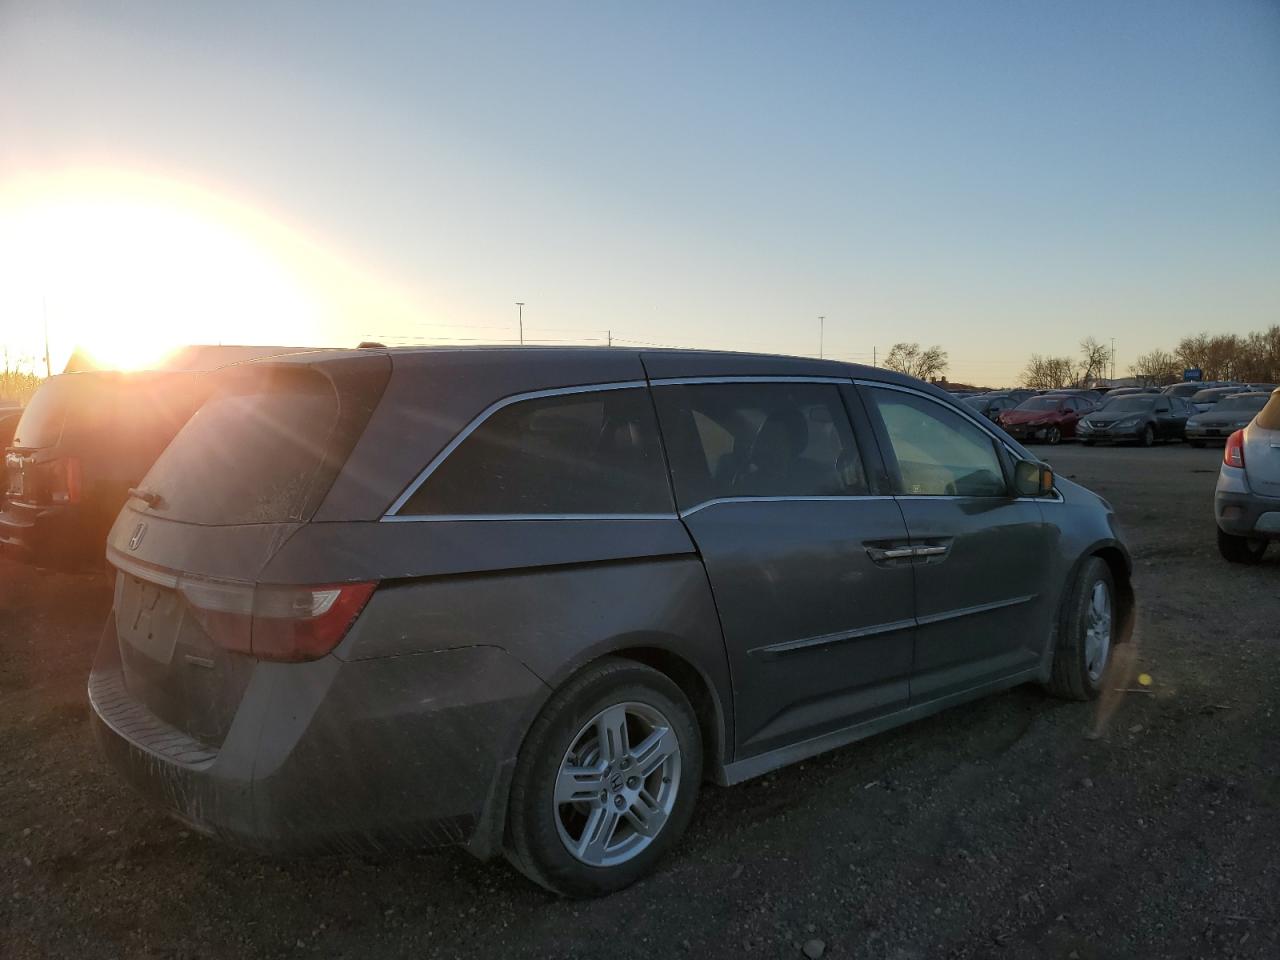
[[128, 267]]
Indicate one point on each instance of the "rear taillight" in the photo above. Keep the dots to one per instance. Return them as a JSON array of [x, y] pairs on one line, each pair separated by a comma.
[[62, 478], [1233, 455], [284, 623]]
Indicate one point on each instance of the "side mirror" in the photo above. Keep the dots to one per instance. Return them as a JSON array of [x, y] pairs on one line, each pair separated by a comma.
[[1032, 479]]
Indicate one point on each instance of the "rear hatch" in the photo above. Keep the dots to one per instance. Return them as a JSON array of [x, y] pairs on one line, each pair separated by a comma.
[[33, 473], [1262, 449], [241, 477]]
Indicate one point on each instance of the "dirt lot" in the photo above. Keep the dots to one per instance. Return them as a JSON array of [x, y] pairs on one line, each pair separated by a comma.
[[996, 830]]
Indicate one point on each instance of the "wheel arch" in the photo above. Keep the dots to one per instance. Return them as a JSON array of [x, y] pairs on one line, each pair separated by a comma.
[[1116, 557], [651, 650]]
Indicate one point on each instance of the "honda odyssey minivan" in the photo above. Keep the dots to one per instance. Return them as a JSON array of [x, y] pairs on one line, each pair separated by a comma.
[[528, 600]]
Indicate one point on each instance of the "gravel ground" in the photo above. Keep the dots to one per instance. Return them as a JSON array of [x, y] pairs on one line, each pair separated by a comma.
[[998, 829]]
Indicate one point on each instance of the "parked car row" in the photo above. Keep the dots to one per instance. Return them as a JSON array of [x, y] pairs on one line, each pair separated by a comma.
[[1142, 415], [568, 585]]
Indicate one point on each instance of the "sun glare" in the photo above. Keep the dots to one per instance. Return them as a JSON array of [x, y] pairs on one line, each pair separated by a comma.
[[127, 268]]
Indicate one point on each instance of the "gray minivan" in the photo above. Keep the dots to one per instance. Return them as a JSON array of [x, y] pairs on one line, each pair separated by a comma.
[[527, 600]]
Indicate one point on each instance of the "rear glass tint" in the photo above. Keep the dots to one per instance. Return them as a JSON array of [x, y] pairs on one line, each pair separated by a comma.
[[43, 419], [256, 452], [583, 453], [1269, 418]]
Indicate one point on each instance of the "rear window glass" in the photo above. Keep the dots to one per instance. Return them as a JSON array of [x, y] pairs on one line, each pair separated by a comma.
[[254, 453], [43, 419], [1269, 418], [595, 452]]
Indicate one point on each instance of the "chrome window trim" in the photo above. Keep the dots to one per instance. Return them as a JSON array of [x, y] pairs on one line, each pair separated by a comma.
[[980, 422], [763, 499], [393, 512], [763, 378], [482, 517]]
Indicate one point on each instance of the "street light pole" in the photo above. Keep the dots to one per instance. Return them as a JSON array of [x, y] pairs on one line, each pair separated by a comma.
[[822, 322], [520, 318], [1113, 360]]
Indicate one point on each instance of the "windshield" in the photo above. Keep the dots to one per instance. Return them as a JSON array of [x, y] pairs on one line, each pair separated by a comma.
[[977, 403], [1130, 404], [1040, 403], [253, 454], [1183, 390], [1250, 401]]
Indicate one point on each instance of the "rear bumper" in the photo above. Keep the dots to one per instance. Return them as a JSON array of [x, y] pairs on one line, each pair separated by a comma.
[[364, 756], [1244, 514], [48, 536]]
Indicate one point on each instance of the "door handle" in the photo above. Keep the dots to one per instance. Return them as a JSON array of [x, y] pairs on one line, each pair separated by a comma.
[[930, 551], [882, 554]]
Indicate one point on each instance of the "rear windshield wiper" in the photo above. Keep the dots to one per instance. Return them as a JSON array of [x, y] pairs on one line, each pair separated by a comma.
[[151, 498]]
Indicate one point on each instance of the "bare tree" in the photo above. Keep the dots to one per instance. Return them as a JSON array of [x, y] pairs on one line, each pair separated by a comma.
[[1047, 373], [1094, 357], [1157, 367], [911, 359]]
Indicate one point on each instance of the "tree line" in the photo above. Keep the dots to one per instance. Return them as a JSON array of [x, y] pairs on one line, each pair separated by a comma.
[[1253, 357]]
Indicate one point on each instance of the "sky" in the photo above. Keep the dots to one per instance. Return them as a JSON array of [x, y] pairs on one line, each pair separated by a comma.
[[999, 179]]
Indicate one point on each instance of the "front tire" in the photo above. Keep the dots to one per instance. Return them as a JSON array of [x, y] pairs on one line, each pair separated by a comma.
[[1086, 634], [1053, 436], [1148, 436], [1240, 549], [606, 781]]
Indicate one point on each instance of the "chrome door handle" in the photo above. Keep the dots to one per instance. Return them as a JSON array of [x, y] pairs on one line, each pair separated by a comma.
[[881, 554], [930, 551]]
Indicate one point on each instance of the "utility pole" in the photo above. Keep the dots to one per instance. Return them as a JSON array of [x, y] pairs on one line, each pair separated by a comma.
[[873, 356], [48, 372], [520, 318], [608, 338], [822, 322], [1113, 359]]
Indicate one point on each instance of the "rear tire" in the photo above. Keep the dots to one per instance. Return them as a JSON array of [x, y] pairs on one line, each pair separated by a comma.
[[572, 846], [1240, 549], [1086, 634], [1053, 436], [1148, 436]]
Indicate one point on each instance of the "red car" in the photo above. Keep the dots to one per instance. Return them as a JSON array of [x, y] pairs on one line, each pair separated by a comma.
[[1050, 417]]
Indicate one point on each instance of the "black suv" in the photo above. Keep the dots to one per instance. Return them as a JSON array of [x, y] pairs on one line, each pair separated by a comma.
[[81, 443]]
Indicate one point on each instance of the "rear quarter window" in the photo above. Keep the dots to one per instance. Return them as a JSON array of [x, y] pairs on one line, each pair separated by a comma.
[[595, 452]]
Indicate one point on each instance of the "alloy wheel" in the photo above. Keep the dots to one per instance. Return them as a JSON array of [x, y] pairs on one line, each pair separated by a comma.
[[617, 784], [1097, 637]]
